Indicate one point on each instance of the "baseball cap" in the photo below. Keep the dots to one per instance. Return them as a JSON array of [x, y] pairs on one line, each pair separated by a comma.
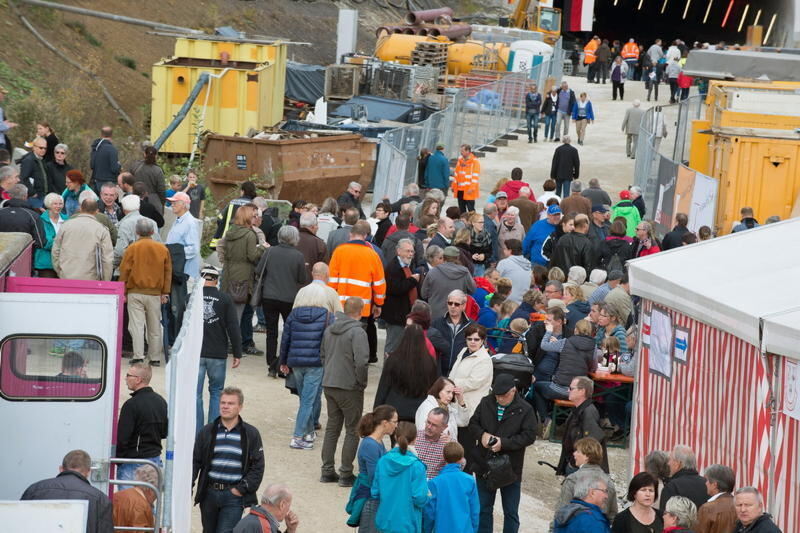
[[181, 197], [503, 383], [553, 210], [451, 251], [625, 195], [600, 208], [501, 194], [209, 271]]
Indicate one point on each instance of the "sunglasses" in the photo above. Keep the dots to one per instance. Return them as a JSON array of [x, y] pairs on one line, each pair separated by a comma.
[[474, 339], [454, 304]]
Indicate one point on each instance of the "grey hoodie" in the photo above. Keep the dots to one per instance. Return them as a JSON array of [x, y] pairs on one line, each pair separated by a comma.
[[518, 269], [441, 281], [345, 354]]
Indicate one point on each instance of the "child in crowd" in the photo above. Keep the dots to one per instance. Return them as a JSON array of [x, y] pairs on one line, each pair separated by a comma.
[[507, 309], [488, 315], [175, 185], [611, 353], [512, 343], [453, 504]]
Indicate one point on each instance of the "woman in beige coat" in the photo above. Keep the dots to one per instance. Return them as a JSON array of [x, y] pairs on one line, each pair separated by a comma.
[[473, 369]]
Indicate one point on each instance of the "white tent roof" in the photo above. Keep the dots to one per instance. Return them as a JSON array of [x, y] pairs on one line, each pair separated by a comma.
[[732, 283]]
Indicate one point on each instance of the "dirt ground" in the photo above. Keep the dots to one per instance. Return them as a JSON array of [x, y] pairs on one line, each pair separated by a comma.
[[270, 407]]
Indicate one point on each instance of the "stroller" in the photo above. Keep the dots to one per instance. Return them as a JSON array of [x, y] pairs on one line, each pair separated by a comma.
[[519, 366]]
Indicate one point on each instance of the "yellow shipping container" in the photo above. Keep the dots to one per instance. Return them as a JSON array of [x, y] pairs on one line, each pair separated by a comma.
[[249, 95]]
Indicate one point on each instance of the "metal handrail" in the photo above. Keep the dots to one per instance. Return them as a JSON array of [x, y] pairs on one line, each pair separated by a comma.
[[134, 483]]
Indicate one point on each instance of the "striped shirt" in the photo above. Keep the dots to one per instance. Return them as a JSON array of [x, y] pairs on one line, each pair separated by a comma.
[[501, 410], [431, 453], [226, 464]]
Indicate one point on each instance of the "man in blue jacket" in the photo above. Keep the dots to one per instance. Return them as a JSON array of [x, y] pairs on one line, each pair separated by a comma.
[[453, 503], [534, 239], [104, 160], [437, 172], [584, 514]]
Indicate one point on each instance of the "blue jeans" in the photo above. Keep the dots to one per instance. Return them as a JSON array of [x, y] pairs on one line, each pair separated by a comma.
[[562, 188], [220, 511], [550, 126], [125, 471], [260, 314], [533, 123], [247, 326], [215, 368], [510, 496], [308, 380], [544, 391]]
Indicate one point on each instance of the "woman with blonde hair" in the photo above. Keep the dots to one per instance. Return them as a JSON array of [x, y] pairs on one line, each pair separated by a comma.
[[480, 245], [645, 242], [577, 306]]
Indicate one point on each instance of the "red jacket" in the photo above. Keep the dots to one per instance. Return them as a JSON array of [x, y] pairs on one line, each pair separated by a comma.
[[684, 81], [512, 188]]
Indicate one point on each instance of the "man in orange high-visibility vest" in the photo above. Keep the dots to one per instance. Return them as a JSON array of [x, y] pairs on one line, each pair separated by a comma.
[[466, 181], [630, 54], [590, 58], [356, 269]]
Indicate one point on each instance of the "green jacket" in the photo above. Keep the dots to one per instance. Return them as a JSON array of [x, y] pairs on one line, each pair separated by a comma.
[[41, 256], [241, 256], [626, 209]]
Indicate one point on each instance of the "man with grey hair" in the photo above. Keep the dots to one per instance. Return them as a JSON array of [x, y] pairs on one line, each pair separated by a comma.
[[16, 215], [637, 200], [576, 202], [565, 167], [108, 202], [718, 514], [312, 247], [186, 232], [585, 512], [341, 235], [133, 507], [126, 231], [146, 270], [351, 198], [276, 505], [82, 248], [72, 483], [447, 332], [630, 127], [402, 290], [9, 176], [595, 194], [684, 479], [750, 512]]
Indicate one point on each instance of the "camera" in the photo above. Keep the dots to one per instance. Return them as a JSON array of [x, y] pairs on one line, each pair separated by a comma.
[[492, 441]]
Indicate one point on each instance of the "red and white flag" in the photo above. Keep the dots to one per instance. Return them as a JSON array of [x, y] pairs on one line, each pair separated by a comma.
[[578, 15]]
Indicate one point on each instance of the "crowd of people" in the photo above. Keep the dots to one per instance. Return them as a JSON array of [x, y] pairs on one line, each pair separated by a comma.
[[544, 278]]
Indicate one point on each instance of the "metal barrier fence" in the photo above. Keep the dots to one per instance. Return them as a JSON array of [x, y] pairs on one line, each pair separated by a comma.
[[653, 154], [476, 116]]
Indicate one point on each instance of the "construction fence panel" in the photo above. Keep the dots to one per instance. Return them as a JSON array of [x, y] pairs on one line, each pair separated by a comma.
[[476, 116]]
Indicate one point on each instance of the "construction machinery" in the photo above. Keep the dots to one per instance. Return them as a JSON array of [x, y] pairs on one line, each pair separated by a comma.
[[533, 15]]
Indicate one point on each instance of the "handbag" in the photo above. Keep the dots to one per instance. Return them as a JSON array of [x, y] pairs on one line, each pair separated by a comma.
[[239, 291], [499, 472], [255, 296]]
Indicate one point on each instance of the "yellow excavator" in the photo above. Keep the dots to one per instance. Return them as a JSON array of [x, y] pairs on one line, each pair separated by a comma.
[[532, 15]]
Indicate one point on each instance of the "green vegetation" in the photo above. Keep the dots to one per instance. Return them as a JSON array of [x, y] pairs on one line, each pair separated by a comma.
[[126, 61], [81, 30], [15, 84]]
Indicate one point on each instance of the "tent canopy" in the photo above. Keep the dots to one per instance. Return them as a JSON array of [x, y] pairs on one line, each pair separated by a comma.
[[733, 283]]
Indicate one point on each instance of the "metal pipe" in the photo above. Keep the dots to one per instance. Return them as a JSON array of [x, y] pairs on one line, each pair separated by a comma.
[[112, 16], [408, 31], [455, 31], [204, 78], [427, 15], [422, 31], [383, 31]]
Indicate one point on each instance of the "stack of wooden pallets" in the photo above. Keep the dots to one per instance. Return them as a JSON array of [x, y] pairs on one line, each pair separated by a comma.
[[431, 54]]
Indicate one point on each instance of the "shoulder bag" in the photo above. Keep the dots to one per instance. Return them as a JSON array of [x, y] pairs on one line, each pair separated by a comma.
[[255, 297]]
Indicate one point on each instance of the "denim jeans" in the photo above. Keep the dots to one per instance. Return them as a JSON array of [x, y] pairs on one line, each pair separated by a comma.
[[246, 324], [480, 270], [562, 188], [533, 124], [215, 368], [125, 471], [510, 496], [308, 380], [544, 391], [550, 126], [220, 511]]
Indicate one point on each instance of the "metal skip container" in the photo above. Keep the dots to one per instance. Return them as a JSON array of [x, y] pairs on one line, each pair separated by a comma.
[[312, 168], [249, 93]]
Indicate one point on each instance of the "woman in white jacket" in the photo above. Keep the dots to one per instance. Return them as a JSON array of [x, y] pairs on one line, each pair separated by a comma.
[[444, 393], [473, 369]]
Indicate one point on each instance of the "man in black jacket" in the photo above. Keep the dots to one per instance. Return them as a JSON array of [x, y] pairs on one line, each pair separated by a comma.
[[73, 484], [104, 160], [389, 246], [685, 480], [351, 198], [750, 512], [565, 167], [503, 424], [401, 292], [575, 248], [228, 465], [17, 216], [584, 421], [447, 332], [33, 174], [673, 238], [220, 328], [142, 421]]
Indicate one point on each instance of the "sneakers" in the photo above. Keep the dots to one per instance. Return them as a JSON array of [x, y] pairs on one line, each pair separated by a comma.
[[301, 444], [252, 350], [329, 478], [311, 437], [347, 481]]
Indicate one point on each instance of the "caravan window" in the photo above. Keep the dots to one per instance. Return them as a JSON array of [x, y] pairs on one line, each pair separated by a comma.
[[34, 367]]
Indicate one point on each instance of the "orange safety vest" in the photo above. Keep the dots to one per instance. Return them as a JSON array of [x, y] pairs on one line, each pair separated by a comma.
[[630, 51], [356, 270], [467, 177], [589, 52]]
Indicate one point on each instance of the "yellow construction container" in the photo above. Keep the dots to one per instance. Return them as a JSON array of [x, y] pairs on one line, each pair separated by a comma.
[[249, 93], [461, 57], [749, 140]]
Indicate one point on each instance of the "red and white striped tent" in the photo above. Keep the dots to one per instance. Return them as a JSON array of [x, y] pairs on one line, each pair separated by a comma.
[[719, 359]]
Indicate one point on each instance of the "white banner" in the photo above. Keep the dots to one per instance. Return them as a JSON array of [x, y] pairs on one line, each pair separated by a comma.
[[184, 363], [791, 390], [704, 202]]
